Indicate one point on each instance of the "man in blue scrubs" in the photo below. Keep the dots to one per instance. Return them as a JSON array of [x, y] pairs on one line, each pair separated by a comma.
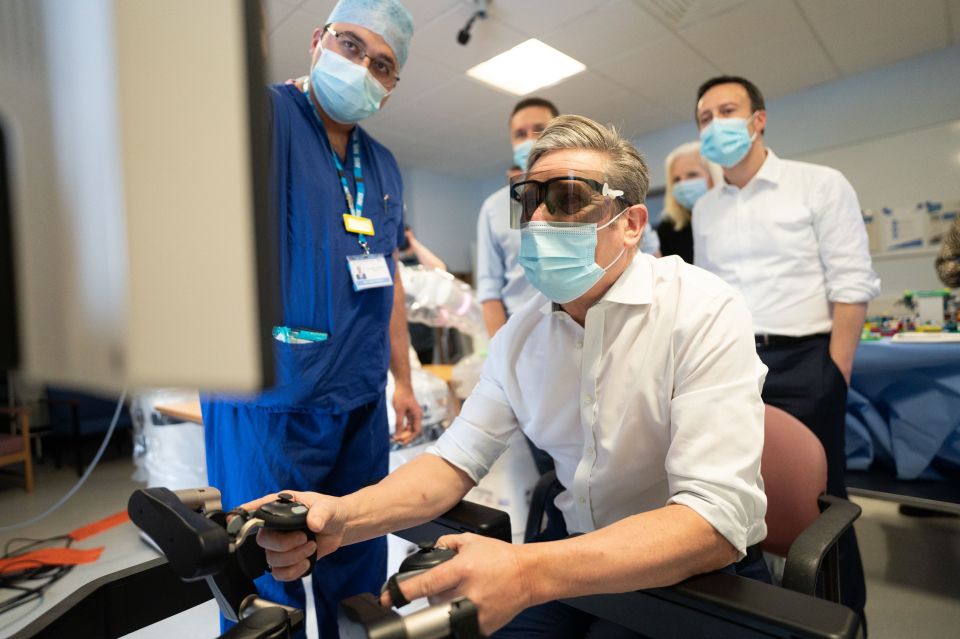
[[338, 197]]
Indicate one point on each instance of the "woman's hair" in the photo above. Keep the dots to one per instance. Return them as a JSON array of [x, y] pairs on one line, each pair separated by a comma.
[[672, 210], [625, 170]]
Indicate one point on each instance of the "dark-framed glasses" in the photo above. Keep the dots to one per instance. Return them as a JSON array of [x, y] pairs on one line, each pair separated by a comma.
[[567, 198], [351, 47]]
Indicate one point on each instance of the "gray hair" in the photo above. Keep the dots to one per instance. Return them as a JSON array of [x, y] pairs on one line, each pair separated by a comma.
[[625, 170]]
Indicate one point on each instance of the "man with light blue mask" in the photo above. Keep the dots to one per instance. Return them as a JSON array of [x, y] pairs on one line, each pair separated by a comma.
[[501, 286], [790, 237], [639, 378], [338, 200]]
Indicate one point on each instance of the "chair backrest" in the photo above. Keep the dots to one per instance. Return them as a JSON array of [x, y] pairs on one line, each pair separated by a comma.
[[794, 470]]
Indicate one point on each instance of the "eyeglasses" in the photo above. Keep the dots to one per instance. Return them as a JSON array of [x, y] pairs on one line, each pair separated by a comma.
[[568, 198], [353, 49]]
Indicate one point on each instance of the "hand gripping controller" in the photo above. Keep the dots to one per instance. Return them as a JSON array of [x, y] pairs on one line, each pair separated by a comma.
[[362, 616], [285, 514], [419, 562]]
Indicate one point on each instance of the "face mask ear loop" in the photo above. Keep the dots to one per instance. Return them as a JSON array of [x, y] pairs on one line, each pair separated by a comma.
[[755, 132], [615, 260], [612, 220]]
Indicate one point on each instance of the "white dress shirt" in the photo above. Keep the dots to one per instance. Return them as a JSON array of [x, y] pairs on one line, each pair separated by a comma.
[[499, 275], [792, 241], [655, 401]]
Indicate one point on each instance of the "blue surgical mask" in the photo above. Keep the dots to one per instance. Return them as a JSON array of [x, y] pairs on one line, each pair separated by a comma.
[[346, 91], [726, 141], [687, 192], [558, 258], [521, 152]]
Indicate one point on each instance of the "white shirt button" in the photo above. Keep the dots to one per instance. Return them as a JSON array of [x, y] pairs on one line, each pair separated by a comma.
[[583, 500], [588, 399], [590, 450], [579, 344]]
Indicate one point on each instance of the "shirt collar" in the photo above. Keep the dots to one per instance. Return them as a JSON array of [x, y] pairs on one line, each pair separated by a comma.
[[769, 171], [634, 286]]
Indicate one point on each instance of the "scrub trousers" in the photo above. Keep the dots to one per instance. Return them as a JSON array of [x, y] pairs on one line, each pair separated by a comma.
[[804, 381], [254, 451]]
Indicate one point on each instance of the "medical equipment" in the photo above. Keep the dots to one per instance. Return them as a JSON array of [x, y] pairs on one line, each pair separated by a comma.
[[199, 542]]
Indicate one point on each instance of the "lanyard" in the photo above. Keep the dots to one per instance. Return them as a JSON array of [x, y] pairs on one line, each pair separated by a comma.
[[356, 209]]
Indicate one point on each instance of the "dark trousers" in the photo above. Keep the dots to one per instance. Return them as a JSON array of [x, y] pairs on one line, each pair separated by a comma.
[[556, 620], [804, 381]]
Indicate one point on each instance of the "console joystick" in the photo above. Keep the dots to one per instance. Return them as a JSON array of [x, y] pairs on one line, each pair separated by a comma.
[[426, 558], [287, 515]]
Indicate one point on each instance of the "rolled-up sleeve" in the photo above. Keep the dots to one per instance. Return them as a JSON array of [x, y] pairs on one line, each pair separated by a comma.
[[842, 238], [716, 414], [479, 435], [491, 273]]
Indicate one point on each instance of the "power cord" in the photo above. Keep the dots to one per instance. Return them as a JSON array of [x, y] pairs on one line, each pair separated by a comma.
[[31, 572], [83, 479]]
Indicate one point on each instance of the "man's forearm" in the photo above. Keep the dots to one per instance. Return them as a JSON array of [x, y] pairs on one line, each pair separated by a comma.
[[657, 548], [845, 336], [494, 315], [417, 492], [399, 337]]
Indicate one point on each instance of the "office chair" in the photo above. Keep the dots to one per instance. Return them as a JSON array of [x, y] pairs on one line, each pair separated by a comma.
[[15, 447], [803, 523]]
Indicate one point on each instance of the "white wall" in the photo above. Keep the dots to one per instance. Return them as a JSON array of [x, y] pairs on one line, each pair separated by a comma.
[[442, 211]]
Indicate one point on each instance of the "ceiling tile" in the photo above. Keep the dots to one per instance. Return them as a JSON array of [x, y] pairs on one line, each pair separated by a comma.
[[438, 40], [775, 47], [288, 54], [862, 34], [605, 32], [539, 17], [276, 11], [320, 7], [425, 11], [665, 71], [420, 75]]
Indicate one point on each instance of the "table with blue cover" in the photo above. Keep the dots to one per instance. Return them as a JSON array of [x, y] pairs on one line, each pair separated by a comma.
[[903, 409]]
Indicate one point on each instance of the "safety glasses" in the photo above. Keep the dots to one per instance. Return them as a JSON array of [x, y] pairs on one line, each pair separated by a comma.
[[566, 198]]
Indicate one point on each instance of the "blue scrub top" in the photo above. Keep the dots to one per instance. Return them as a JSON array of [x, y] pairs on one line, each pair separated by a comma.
[[349, 368]]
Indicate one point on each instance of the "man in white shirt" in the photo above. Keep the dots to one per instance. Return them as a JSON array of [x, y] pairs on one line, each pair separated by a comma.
[[638, 376], [790, 237]]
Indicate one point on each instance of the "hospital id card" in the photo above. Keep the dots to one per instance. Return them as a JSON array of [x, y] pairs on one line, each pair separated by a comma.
[[369, 271], [358, 224]]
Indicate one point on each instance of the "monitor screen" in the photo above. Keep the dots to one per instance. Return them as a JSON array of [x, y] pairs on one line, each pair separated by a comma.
[[139, 250]]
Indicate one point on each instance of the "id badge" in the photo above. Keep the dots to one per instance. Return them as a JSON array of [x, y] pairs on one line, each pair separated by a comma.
[[369, 271], [357, 224]]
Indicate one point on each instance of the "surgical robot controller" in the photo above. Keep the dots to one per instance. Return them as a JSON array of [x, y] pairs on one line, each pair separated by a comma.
[[201, 541]]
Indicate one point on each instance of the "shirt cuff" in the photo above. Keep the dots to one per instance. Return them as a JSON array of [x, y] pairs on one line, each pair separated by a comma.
[[854, 292], [488, 289], [740, 536], [469, 449]]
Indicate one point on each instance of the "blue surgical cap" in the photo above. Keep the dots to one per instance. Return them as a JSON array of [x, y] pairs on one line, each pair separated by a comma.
[[387, 18]]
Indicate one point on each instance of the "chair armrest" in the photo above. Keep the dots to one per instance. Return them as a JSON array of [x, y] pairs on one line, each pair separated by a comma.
[[812, 545], [722, 605], [463, 518], [548, 487]]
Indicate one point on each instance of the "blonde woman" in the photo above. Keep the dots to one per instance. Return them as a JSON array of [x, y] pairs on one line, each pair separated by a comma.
[[688, 177]]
